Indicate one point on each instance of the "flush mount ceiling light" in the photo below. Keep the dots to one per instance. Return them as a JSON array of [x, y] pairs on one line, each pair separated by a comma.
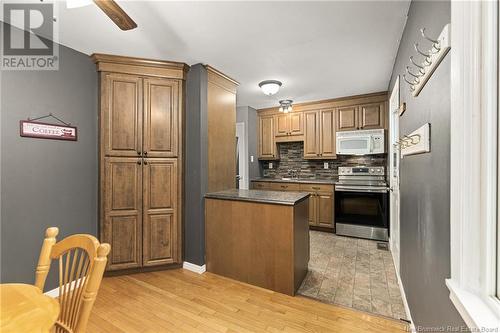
[[270, 87], [285, 105]]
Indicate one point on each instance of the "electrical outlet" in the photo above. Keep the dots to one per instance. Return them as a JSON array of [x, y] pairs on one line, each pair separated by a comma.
[[251, 158], [270, 165], [325, 165]]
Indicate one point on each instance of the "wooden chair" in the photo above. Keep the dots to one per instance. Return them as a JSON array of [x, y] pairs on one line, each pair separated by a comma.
[[82, 261]]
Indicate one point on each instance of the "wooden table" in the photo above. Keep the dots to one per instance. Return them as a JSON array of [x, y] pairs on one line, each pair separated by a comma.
[[24, 308]]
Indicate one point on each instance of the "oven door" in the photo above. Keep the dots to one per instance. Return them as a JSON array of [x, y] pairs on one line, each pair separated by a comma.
[[362, 212], [353, 145]]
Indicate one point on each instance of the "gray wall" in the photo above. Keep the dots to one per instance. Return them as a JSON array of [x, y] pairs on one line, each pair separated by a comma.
[[425, 181], [248, 116], [196, 174], [46, 182]]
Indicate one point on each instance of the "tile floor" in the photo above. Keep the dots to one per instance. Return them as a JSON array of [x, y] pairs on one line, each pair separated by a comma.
[[354, 273]]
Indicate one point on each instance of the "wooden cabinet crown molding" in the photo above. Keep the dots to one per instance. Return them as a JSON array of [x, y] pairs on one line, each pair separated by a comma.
[[140, 66], [331, 103], [222, 80]]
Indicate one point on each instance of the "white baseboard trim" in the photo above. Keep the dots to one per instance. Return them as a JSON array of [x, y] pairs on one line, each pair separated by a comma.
[[194, 268], [403, 296], [54, 293]]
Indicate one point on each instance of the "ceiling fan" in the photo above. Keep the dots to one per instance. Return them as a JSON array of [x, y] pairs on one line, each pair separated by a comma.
[[110, 8]]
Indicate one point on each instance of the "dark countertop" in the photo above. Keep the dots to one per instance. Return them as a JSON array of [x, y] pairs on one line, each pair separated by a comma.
[[270, 197], [331, 181]]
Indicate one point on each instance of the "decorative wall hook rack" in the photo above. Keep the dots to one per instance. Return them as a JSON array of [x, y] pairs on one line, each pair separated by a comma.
[[417, 142], [431, 59]]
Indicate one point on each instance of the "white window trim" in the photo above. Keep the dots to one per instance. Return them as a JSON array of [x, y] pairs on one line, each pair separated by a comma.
[[473, 201]]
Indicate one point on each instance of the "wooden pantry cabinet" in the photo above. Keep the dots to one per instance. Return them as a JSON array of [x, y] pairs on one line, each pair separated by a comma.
[[141, 112]]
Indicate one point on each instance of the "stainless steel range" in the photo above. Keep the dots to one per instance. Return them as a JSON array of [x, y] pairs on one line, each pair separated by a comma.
[[362, 203]]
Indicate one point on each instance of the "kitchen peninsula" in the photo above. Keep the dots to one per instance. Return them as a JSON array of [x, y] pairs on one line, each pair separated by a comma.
[[258, 237]]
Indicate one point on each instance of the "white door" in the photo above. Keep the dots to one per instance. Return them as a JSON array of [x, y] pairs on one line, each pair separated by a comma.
[[394, 158], [241, 157]]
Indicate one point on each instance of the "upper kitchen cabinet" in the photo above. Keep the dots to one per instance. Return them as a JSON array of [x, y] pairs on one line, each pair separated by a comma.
[[347, 118], [372, 116], [289, 126], [359, 117], [317, 123], [319, 135], [327, 133], [312, 135], [267, 143]]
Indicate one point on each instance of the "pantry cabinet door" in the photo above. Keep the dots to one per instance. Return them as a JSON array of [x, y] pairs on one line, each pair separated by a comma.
[[122, 227], [121, 115], [161, 117], [160, 212]]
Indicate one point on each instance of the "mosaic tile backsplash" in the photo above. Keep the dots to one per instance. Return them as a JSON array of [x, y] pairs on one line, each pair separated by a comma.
[[292, 158]]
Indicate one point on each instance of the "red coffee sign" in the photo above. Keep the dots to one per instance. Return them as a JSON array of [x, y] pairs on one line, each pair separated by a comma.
[[35, 129]]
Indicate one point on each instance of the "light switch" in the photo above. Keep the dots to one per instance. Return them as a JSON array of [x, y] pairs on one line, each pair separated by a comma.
[[251, 158], [325, 165], [270, 165]]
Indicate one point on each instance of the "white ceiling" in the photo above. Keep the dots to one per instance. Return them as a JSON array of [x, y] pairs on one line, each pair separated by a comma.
[[318, 50]]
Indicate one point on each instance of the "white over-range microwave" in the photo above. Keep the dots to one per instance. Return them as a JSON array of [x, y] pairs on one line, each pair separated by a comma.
[[364, 142]]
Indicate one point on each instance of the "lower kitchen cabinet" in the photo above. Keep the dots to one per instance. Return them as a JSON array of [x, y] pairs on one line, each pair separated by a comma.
[[321, 200], [321, 204], [324, 208]]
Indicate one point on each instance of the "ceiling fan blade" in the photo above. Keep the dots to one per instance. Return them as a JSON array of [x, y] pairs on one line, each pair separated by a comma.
[[116, 14]]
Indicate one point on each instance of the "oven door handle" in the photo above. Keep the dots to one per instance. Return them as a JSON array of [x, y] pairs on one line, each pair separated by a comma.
[[342, 188]]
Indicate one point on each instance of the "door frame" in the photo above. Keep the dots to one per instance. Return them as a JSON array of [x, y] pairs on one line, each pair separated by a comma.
[[243, 156], [394, 197]]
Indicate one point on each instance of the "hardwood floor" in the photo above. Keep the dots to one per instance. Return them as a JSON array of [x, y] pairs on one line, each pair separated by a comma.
[[182, 301]]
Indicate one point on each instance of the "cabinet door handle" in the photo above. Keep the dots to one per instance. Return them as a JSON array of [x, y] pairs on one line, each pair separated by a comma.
[[284, 186], [139, 162], [145, 153], [315, 188], [139, 153], [145, 162]]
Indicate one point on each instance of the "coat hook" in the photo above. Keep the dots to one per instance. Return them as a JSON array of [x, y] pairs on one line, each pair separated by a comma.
[[416, 76], [420, 68], [410, 83], [422, 31], [426, 55]]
